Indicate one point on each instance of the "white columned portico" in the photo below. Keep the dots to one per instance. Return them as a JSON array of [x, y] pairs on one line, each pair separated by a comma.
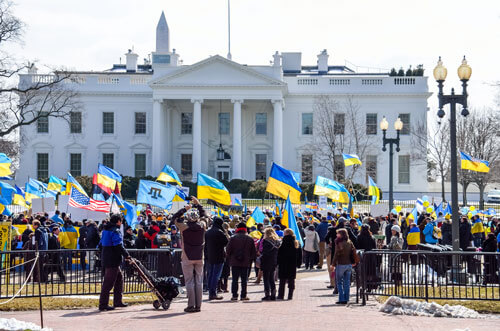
[[278, 131], [156, 141], [196, 137], [237, 138]]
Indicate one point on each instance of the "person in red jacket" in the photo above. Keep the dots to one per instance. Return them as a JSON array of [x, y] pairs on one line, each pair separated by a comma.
[[151, 234]]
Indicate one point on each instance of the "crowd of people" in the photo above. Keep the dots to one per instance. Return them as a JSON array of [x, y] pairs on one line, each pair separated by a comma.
[[215, 248]]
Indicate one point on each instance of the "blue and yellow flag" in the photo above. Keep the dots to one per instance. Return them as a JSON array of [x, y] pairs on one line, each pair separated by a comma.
[[5, 163], [72, 182], [413, 216], [257, 217], [289, 220], [351, 159], [471, 163], [7, 192], [477, 227], [373, 190], [155, 193], [210, 188], [245, 209], [128, 210], [283, 183], [277, 210], [68, 237], [331, 189], [413, 237], [179, 194], [3, 207], [19, 197], [168, 175], [447, 211], [56, 184]]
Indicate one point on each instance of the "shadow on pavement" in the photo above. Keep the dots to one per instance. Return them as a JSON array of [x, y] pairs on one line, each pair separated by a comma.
[[160, 316]]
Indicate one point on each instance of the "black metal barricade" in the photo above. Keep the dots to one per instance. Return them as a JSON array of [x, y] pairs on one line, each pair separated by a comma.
[[77, 272], [430, 275]]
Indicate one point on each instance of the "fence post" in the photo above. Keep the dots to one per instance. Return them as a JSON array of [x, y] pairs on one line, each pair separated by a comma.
[[426, 280], [363, 279], [39, 282]]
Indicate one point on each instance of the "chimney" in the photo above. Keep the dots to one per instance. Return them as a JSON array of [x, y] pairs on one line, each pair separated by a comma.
[[323, 62], [131, 61]]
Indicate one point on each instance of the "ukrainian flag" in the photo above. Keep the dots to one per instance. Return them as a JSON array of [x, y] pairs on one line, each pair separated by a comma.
[[373, 190], [413, 237], [255, 234], [477, 227], [277, 211], [447, 211], [72, 182], [70, 237], [289, 220], [31, 193], [7, 192], [19, 197], [211, 188], [412, 216], [471, 163], [128, 210], [168, 175], [221, 213], [351, 159], [3, 207], [331, 189], [56, 184], [5, 163], [283, 184], [256, 217], [179, 194]]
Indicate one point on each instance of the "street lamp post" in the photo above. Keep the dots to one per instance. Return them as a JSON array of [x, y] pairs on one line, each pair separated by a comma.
[[398, 126], [464, 73]]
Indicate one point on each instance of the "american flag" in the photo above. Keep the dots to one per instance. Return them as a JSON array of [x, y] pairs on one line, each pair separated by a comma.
[[78, 200]]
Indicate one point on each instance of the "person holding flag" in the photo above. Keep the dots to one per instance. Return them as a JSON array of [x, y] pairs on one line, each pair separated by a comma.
[[288, 254]]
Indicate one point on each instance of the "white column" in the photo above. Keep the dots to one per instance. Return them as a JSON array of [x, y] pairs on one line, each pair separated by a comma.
[[237, 138], [196, 137], [156, 138], [278, 132]]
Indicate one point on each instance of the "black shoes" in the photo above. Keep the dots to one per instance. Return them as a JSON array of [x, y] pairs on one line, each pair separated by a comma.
[[216, 297], [121, 305], [341, 303], [191, 309], [106, 308]]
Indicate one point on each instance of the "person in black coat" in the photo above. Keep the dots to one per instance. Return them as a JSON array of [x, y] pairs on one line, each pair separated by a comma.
[[287, 264], [55, 258], [93, 238], [215, 243], [464, 233], [490, 261], [446, 231], [269, 261], [367, 242]]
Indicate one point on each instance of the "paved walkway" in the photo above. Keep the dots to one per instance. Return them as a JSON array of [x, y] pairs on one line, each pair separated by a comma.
[[313, 308]]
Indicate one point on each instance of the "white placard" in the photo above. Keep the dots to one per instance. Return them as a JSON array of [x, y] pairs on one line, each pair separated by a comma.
[[382, 209], [235, 196], [322, 201], [43, 205], [62, 203], [176, 205]]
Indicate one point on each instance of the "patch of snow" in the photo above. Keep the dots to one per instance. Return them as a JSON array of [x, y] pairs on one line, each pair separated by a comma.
[[397, 306], [11, 324]]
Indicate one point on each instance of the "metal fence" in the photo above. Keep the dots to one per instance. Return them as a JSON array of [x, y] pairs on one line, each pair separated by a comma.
[[77, 272], [430, 275]]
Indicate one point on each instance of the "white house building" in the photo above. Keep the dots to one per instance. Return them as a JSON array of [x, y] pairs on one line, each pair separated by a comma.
[[138, 117]]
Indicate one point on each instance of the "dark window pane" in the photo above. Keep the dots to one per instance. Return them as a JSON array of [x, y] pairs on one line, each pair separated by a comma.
[[187, 165], [404, 169], [75, 122], [371, 123], [307, 123], [140, 165], [108, 122], [140, 123], [260, 166], [186, 123], [307, 168], [371, 167], [224, 123], [42, 165], [339, 168], [75, 164], [108, 159], [338, 123], [43, 123], [405, 118], [261, 123]]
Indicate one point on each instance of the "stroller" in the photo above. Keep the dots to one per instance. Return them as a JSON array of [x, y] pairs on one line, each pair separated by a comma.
[[165, 288]]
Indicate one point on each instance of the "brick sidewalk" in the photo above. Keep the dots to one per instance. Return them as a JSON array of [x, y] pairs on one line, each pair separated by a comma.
[[313, 308]]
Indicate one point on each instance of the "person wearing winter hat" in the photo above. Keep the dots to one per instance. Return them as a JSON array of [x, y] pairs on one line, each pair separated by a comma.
[[396, 242], [215, 241], [240, 252]]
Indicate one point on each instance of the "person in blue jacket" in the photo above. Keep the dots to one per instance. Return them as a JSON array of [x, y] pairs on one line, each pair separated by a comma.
[[322, 229], [112, 251], [429, 231]]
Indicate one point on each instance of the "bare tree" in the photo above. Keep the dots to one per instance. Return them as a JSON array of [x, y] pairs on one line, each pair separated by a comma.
[[435, 143], [36, 96], [463, 144], [339, 127], [484, 144]]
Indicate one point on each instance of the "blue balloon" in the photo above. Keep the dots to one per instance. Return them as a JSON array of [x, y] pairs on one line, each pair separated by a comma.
[[425, 198]]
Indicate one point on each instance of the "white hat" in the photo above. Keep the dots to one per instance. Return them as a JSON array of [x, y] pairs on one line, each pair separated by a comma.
[[396, 228]]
